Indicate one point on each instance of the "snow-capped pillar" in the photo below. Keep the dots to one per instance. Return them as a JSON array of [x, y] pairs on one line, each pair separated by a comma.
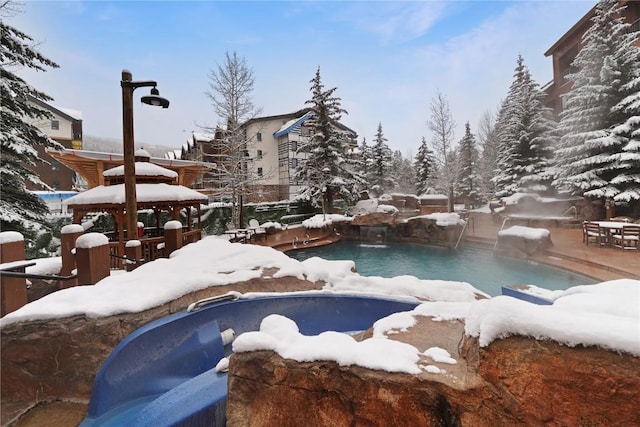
[[68, 236], [92, 258], [133, 252], [13, 290], [172, 236]]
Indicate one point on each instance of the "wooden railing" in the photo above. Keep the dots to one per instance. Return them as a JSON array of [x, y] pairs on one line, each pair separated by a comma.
[[115, 260], [152, 248], [191, 236]]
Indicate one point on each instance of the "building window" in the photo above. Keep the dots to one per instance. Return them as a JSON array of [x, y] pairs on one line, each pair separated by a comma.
[[259, 154], [294, 163], [260, 172], [55, 125], [259, 137], [294, 146]]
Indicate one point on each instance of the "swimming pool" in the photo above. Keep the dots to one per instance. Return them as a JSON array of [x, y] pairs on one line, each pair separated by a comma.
[[469, 263]]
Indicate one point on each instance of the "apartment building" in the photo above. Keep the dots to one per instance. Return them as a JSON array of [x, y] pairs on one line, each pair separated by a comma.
[[65, 127], [270, 156], [564, 51]]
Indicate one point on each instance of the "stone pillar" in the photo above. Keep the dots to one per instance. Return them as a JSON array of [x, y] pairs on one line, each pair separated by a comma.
[[13, 290], [68, 236], [133, 251], [92, 258], [172, 237]]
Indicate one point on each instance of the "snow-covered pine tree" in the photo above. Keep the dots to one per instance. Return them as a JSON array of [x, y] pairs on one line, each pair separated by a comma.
[[403, 173], [591, 159], [526, 131], [625, 185], [381, 161], [468, 176], [363, 161], [425, 168], [20, 209], [326, 173]]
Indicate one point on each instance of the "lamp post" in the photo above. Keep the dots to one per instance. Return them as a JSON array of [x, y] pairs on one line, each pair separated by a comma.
[[128, 86]]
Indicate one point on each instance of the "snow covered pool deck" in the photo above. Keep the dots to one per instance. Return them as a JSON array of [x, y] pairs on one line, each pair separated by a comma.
[[568, 251]]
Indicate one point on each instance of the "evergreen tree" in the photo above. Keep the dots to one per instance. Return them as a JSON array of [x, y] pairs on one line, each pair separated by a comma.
[[326, 173], [526, 133], [381, 165], [364, 161], [468, 177], [425, 169], [625, 186], [20, 209], [597, 156], [403, 173]]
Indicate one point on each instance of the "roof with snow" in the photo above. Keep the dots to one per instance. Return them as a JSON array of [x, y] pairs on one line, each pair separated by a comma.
[[142, 169], [292, 124], [145, 193]]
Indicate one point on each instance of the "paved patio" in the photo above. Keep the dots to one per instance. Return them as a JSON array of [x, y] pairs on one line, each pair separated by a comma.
[[568, 251]]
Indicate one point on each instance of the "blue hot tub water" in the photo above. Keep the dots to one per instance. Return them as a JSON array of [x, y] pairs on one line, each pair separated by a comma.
[[472, 264]]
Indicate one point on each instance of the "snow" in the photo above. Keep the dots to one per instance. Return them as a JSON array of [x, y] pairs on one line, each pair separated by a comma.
[[172, 225], [10, 237], [606, 315], [72, 228], [92, 240], [133, 243], [319, 221], [528, 233], [442, 219], [115, 194], [142, 169]]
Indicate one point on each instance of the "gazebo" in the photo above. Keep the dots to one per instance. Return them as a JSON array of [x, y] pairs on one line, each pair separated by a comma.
[[156, 189]]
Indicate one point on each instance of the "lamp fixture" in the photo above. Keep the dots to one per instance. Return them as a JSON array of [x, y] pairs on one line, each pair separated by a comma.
[[155, 99]]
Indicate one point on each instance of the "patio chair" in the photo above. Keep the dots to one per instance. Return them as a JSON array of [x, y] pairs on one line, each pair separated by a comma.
[[258, 232], [629, 237], [591, 233]]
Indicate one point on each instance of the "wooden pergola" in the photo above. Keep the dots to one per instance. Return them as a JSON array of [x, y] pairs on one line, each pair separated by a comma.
[[91, 165], [156, 190]]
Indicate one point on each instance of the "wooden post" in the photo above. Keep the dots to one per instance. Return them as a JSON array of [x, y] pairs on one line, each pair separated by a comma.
[[68, 236], [172, 236], [133, 251], [13, 290], [92, 258]]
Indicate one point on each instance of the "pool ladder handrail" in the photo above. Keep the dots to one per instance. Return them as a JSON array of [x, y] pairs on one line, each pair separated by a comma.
[[504, 222], [464, 227]]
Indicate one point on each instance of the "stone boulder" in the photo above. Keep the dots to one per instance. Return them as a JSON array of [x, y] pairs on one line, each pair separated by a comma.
[[375, 219], [523, 242], [513, 381]]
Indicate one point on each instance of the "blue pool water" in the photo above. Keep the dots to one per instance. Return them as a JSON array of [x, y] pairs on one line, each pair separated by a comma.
[[473, 264]]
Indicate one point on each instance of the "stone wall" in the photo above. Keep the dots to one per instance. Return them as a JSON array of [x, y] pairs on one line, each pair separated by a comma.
[[514, 381]]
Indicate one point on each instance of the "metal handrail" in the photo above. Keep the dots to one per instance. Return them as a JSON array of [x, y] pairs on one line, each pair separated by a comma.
[[501, 228], [464, 227], [195, 306], [19, 274]]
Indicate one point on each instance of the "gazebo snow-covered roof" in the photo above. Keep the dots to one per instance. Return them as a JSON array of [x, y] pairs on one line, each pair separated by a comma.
[[156, 189]]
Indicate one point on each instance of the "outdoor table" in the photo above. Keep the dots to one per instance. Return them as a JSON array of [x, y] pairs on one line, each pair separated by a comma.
[[237, 233], [611, 227]]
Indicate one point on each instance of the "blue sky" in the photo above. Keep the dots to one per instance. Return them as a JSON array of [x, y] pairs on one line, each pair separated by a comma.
[[387, 59]]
